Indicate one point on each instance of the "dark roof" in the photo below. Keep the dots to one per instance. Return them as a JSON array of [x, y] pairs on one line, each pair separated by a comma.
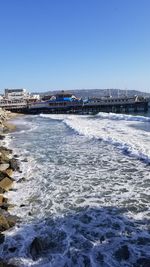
[[13, 90]]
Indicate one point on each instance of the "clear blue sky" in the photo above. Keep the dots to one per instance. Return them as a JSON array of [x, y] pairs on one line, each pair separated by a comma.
[[67, 44]]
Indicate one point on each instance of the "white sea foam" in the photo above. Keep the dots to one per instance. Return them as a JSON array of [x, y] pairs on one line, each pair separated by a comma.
[[54, 116], [79, 192], [23, 126], [114, 116], [119, 130], [6, 141], [103, 115]]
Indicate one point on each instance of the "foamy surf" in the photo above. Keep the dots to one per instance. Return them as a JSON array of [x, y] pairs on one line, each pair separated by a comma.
[[84, 202], [114, 116], [117, 129], [92, 237]]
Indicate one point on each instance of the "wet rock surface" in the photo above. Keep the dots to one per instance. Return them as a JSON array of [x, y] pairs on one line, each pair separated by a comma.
[[3, 223], [2, 137], [122, 253], [8, 164], [142, 262], [2, 238], [14, 164], [36, 248], [21, 180], [6, 183], [4, 264]]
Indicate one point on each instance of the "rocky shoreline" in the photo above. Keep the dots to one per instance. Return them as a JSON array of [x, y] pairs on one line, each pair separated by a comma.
[[8, 164]]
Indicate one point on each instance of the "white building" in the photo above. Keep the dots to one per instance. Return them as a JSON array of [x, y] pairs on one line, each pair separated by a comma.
[[35, 96], [16, 94]]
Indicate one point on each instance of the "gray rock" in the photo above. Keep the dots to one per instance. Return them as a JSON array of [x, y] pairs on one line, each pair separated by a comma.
[[14, 164], [2, 191], [122, 253], [15, 156], [2, 175], [36, 248], [13, 249], [24, 160], [21, 180], [2, 238], [2, 137], [6, 206]]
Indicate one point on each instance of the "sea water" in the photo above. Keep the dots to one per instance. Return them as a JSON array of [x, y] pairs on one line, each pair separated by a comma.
[[85, 195]]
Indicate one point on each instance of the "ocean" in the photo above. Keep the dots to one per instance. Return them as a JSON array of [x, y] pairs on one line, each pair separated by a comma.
[[85, 196]]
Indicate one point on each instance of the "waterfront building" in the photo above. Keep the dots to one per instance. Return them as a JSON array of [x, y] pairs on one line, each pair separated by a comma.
[[16, 94], [35, 96]]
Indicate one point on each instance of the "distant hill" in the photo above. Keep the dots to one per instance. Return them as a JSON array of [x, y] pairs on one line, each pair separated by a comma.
[[85, 93]]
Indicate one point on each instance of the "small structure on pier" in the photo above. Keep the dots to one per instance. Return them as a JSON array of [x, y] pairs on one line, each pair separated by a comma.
[[16, 94]]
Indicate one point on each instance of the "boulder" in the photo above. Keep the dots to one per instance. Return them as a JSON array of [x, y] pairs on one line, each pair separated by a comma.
[[2, 175], [36, 247], [4, 225], [12, 249], [5, 199], [6, 183], [4, 166], [5, 155], [8, 172], [8, 127], [15, 156], [11, 219], [13, 189], [14, 164], [21, 180], [5, 149], [24, 160], [6, 206], [1, 199], [2, 137], [2, 191], [4, 158], [122, 253], [2, 239]]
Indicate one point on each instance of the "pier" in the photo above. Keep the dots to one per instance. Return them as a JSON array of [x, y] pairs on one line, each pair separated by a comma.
[[117, 108], [67, 103], [23, 107]]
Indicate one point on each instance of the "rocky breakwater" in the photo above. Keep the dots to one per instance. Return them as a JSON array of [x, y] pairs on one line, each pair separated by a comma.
[[8, 164]]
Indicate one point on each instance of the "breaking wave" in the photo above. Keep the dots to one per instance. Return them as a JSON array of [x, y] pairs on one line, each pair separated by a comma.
[[81, 201], [122, 131], [114, 116]]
